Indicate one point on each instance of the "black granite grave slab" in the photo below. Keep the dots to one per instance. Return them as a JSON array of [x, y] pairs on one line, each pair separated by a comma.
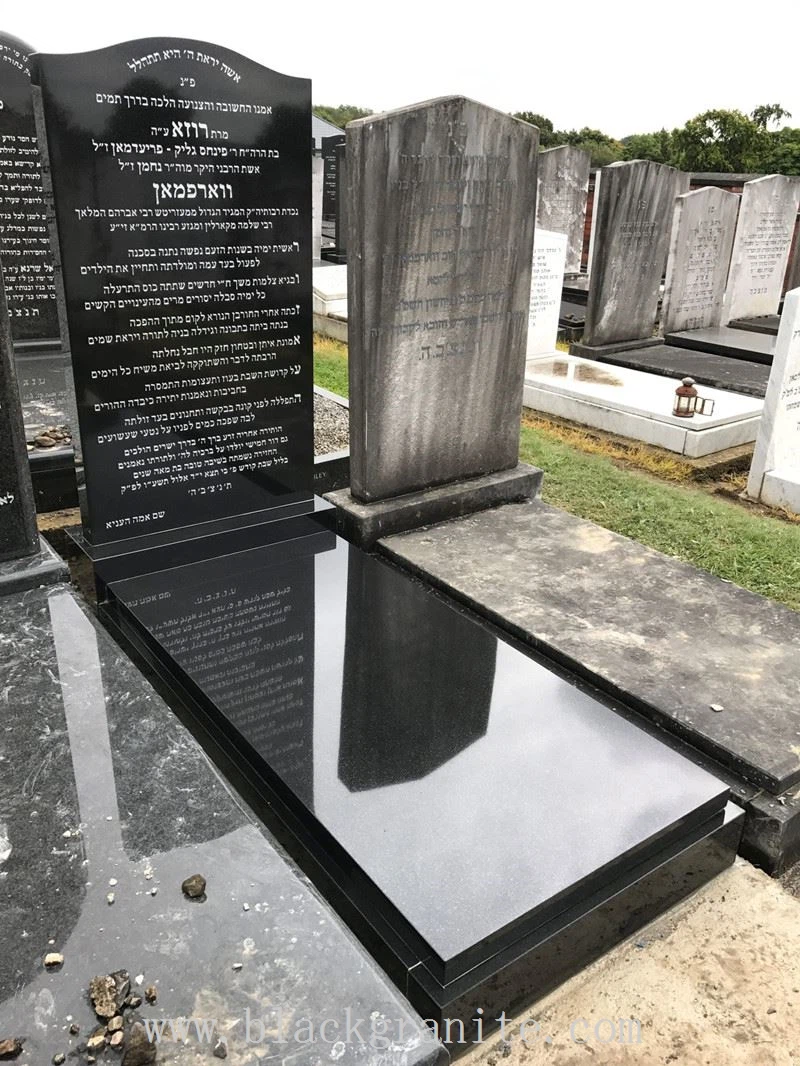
[[722, 340], [25, 253], [713, 664], [103, 790], [182, 184], [717, 371], [763, 324], [373, 714]]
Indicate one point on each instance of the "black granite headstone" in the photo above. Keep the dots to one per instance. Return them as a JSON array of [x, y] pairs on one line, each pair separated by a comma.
[[329, 185], [18, 535], [182, 186], [25, 253]]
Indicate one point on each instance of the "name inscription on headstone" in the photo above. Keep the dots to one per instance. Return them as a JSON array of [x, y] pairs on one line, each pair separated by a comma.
[[25, 253], [181, 177], [442, 205], [547, 278], [329, 186]]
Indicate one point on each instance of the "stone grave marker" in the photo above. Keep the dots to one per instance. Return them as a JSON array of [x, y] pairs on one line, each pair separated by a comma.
[[25, 253], [317, 164], [703, 228], [329, 157], [761, 247], [561, 199], [182, 195], [775, 470], [442, 207], [547, 276], [633, 214]]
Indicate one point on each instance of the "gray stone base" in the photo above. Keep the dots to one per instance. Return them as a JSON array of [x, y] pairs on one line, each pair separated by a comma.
[[46, 568], [714, 666], [331, 326], [597, 351], [364, 523]]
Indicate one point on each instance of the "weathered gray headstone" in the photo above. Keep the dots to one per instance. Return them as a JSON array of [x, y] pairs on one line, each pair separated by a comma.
[[18, 534], [775, 470], [703, 227], [442, 203], [547, 279], [633, 214], [561, 200], [761, 247], [317, 167]]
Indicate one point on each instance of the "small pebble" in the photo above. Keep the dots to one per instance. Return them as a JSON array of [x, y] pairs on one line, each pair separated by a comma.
[[151, 993], [771, 1010], [237, 966], [245, 906], [9, 1049], [113, 881], [154, 890], [52, 959], [117, 1040], [221, 1049], [74, 1029], [133, 1002], [717, 707], [110, 898], [115, 1024], [59, 1059], [97, 1039], [194, 887]]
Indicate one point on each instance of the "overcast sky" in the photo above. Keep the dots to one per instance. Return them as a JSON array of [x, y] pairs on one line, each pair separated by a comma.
[[623, 66]]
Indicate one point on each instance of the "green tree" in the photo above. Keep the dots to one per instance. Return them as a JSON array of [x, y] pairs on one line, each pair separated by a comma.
[[546, 133], [656, 146], [342, 114], [783, 156], [722, 142]]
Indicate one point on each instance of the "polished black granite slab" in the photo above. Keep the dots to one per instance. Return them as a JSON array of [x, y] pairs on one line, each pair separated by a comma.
[[380, 719], [44, 567], [722, 340], [100, 781], [763, 324], [717, 371]]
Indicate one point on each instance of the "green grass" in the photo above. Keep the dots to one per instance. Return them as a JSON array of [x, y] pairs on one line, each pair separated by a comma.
[[740, 544], [755, 551], [330, 365]]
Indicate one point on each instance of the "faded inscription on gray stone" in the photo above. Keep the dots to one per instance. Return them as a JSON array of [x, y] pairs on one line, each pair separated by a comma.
[[442, 203], [761, 247], [633, 215], [700, 253], [561, 201]]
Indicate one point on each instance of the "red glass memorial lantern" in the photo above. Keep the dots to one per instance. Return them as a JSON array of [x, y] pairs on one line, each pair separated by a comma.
[[689, 403]]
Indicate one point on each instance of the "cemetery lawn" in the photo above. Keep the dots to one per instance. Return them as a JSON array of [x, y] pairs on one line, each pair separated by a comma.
[[742, 545]]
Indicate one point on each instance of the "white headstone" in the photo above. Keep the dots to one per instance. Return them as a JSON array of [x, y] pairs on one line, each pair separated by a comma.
[[775, 470], [561, 199], [547, 278], [317, 170], [703, 227], [761, 247]]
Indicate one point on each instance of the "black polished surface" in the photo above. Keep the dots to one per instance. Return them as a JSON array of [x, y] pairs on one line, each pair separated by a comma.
[[182, 185], [100, 783], [723, 340], [329, 182], [414, 745], [25, 254]]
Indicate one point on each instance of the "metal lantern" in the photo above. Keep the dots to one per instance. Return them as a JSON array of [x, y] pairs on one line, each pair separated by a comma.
[[688, 403]]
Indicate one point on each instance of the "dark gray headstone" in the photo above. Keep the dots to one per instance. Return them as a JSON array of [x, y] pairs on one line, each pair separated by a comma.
[[700, 253], [442, 203], [561, 201], [632, 219], [18, 534], [25, 253], [340, 206], [181, 176], [329, 186]]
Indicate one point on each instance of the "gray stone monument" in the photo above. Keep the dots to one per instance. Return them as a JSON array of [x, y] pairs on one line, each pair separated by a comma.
[[761, 247], [775, 470], [700, 253], [442, 203], [561, 200], [25, 560], [632, 219]]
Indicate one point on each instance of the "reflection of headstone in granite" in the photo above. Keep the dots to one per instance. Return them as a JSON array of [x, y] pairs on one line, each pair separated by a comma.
[[417, 684], [561, 199], [761, 247], [775, 471], [441, 212], [631, 217], [19, 537], [25, 254], [700, 253], [317, 164]]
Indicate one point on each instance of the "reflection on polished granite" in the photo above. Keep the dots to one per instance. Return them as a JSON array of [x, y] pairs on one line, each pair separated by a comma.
[[99, 781], [459, 793]]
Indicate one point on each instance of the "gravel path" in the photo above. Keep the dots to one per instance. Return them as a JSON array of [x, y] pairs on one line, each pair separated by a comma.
[[331, 426]]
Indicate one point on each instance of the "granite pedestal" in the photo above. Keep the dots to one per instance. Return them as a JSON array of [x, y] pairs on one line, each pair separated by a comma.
[[762, 324], [376, 720], [722, 340], [713, 665], [718, 371]]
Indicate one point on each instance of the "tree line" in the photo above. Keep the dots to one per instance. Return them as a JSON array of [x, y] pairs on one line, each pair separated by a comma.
[[718, 141]]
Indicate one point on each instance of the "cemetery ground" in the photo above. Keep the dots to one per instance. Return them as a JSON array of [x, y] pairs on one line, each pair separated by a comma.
[[647, 494]]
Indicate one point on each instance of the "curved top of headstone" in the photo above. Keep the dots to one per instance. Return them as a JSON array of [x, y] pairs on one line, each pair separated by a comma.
[[8, 40], [146, 52], [436, 103], [642, 163]]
